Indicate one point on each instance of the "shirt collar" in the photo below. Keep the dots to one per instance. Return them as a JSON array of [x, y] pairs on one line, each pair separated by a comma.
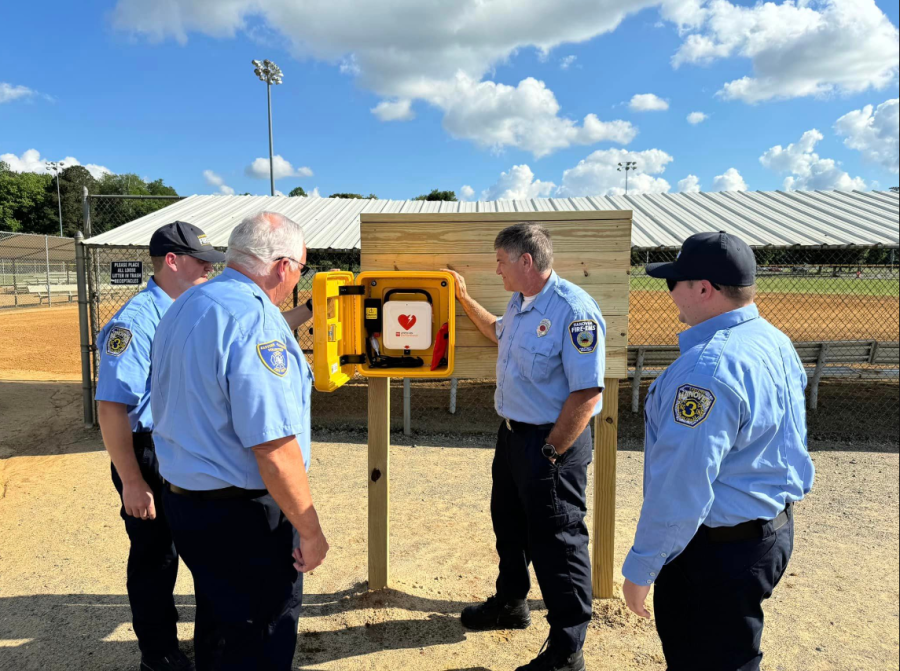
[[161, 299], [543, 298], [237, 275], [704, 331]]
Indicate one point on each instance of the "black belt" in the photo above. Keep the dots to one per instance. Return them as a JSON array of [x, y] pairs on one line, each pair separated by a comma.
[[747, 531], [218, 494], [522, 427]]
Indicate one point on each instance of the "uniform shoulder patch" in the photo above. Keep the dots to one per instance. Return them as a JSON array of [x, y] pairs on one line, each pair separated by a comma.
[[584, 334], [692, 405], [118, 341], [274, 356]]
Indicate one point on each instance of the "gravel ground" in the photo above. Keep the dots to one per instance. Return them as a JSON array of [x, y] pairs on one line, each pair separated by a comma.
[[63, 550]]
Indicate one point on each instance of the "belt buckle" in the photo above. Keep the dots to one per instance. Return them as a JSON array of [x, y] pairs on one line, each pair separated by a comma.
[[508, 424]]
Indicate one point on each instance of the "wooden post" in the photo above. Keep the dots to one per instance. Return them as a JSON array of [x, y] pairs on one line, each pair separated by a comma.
[[379, 483], [605, 446]]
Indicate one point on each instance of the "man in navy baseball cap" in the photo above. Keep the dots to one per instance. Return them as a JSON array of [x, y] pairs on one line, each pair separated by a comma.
[[184, 239], [719, 258]]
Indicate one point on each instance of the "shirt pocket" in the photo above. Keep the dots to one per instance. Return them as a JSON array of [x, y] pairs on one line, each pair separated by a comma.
[[538, 359]]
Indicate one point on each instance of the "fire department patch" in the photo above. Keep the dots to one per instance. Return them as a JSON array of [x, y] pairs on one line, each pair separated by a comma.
[[274, 356], [692, 405], [584, 335], [118, 341]]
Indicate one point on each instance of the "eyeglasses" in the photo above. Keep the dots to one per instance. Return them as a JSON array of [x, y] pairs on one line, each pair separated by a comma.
[[674, 283], [304, 269]]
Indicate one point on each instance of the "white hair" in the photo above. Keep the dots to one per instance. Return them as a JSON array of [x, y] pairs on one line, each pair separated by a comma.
[[263, 238]]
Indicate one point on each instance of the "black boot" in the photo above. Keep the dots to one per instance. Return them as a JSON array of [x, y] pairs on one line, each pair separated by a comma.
[[173, 661], [496, 614], [551, 660]]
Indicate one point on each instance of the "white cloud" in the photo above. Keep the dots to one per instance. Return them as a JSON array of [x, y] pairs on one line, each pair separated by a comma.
[[598, 174], [730, 180], [382, 45], [466, 193], [31, 161], [518, 184], [213, 179], [802, 48], [566, 62], [648, 102], [690, 184], [696, 117], [282, 168], [8, 92], [808, 170], [394, 110], [874, 133]]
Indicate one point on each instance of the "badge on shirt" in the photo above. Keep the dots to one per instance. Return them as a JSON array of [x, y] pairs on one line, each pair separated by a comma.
[[118, 341], [543, 328], [692, 405], [203, 240], [274, 356], [584, 335]]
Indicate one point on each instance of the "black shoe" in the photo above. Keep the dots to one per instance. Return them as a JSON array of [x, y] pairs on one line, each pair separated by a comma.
[[173, 661], [550, 660], [496, 614]]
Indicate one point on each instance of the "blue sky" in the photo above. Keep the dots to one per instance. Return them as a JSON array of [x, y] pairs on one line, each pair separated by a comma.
[[488, 95]]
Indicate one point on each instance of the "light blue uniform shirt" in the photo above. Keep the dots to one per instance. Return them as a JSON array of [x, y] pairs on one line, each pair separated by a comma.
[[124, 348], [227, 375], [553, 347], [725, 437]]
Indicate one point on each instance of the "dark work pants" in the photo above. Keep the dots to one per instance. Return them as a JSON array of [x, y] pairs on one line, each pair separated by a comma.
[[708, 601], [248, 592], [152, 562], [538, 509]]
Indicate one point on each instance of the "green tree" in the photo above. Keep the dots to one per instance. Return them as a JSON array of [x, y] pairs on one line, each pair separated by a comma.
[[23, 199], [72, 182], [297, 192], [438, 195], [109, 213], [352, 195]]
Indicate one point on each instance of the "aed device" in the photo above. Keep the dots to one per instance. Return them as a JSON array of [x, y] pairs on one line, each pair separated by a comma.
[[382, 324]]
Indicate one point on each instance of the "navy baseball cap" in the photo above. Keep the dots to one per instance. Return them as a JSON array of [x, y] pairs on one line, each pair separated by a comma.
[[182, 238], [719, 258]]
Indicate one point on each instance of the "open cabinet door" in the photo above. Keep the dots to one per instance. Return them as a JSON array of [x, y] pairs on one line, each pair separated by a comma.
[[335, 330]]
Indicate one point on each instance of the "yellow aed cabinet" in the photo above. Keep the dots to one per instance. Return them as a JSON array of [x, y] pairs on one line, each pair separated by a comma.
[[382, 324]]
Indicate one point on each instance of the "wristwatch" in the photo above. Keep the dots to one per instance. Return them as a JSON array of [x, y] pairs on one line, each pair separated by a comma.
[[550, 452], [309, 305]]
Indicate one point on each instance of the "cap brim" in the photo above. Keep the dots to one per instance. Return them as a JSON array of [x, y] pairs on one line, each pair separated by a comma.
[[211, 256], [664, 271]]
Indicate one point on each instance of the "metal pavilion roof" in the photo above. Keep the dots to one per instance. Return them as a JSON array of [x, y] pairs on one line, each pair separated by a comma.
[[25, 246], [660, 220]]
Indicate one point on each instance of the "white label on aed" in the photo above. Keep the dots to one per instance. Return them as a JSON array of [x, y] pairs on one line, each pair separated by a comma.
[[407, 325]]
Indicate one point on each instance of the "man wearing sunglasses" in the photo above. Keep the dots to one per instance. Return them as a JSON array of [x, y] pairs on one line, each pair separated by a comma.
[[725, 460]]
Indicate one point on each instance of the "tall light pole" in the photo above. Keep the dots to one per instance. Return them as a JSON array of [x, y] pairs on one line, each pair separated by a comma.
[[55, 166], [627, 167], [269, 73]]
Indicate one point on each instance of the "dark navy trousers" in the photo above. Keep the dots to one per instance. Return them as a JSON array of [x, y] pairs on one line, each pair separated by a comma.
[[708, 600], [152, 562], [538, 509], [248, 592]]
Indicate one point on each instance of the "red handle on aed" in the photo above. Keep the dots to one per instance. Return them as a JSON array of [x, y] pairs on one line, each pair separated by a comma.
[[440, 346]]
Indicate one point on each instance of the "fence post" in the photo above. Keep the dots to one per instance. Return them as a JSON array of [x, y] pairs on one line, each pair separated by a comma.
[[87, 396], [15, 288], [86, 210], [407, 411], [817, 377], [454, 384], [636, 381], [47, 257]]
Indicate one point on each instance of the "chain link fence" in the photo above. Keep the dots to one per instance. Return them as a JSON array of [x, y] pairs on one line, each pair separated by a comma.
[[841, 308], [36, 270]]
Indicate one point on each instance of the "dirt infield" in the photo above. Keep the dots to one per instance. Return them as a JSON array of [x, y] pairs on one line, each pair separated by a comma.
[[40, 344], [63, 554]]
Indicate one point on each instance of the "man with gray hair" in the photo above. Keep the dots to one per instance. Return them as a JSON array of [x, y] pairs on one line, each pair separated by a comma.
[[550, 369], [231, 398]]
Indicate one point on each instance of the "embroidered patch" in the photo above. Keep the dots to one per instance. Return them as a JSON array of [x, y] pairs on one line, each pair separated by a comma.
[[274, 356], [692, 405], [584, 335], [543, 328], [118, 341]]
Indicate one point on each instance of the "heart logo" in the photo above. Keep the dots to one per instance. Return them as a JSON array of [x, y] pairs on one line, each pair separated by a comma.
[[407, 321]]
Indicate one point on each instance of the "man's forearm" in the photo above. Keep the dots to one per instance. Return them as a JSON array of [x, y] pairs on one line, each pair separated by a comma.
[[117, 437], [484, 321], [297, 317], [576, 413], [282, 470]]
